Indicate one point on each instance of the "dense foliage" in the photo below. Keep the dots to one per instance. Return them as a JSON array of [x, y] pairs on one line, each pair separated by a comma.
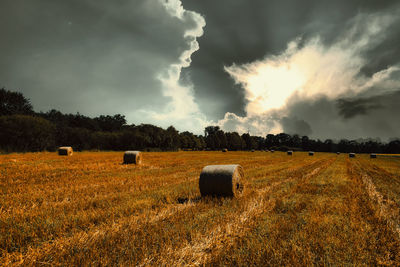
[[21, 129]]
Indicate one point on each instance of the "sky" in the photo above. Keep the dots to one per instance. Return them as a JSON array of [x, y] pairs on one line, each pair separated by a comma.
[[326, 69]]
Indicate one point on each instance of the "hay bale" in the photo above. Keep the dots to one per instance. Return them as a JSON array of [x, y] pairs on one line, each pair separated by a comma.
[[132, 157], [290, 152], [252, 150], [65, 151], [311, 153], [272, 151], [221, 180], [337, 153], [352, 155], [225, 150], [372, 156]]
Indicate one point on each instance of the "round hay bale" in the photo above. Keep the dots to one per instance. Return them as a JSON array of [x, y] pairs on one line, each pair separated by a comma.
[[372, 156], [311, 153], [65, 151], [225, 150], [252, 150], [352, 155], [132, 157], [221, 180], [290, 153], [272, 151], [337, 153]]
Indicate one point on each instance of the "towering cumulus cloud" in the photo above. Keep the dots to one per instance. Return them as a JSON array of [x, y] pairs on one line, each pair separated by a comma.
[[181, 110], [319, 89], [102, 57]]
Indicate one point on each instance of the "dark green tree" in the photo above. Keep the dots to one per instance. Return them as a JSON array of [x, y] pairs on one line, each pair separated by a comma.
[[14, 103], [23, 133]]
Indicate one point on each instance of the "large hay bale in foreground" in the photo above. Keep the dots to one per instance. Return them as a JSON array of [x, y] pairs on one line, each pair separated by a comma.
[[352, 155], [65, 151], [221, 180], [290, 152], [311, 153], [372, 156], [132, 157]]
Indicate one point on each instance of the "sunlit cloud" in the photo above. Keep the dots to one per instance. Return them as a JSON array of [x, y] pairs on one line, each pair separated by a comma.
[[306, 70]]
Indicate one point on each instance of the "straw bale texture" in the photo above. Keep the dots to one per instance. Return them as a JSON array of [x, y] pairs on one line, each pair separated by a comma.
[[221, 180], [65, 151], [132, 157]]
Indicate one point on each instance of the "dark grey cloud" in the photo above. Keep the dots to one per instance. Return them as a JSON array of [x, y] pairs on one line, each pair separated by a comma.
[[294, 125], [375, 116], [95, 57], [349, 108]]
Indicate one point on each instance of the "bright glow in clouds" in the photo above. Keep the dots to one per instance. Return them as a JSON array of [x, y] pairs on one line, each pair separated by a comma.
[[267, 84], [305, 72]]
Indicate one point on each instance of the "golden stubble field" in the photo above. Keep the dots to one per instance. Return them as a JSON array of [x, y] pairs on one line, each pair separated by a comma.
[[89, 209]]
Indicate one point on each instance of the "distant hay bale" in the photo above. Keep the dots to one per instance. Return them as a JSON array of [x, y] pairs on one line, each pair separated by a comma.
[[272, 151], [225, 150], [372, 156], [266, 150], [290, 152], [337, 153], [221, 180], [311, 153], [65, 151], [252, 150], [132, 157], [352, 155]]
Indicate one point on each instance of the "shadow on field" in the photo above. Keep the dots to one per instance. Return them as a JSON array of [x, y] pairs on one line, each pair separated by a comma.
[[207, 199], [184, 200]]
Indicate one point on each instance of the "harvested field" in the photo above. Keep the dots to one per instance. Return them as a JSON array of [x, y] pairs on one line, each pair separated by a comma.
[[90, 209]]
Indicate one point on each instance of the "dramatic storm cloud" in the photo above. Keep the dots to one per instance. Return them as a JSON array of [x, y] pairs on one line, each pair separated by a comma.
[[328, 69], [102, 57]]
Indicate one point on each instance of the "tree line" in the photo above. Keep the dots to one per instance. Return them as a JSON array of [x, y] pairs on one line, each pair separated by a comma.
[[22, 130]]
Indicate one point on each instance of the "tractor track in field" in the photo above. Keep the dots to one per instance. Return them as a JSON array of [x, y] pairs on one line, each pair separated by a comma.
[[385, 209], [198, 252]]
